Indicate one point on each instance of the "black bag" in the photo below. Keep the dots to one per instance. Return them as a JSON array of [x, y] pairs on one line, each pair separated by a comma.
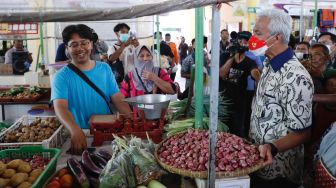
[[117, 69]]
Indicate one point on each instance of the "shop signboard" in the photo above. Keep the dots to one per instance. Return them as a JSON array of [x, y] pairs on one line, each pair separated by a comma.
[[18, 28]]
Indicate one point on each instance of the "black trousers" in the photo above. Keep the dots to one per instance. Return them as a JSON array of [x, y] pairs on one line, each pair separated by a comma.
[[172, 76], [257, 182]]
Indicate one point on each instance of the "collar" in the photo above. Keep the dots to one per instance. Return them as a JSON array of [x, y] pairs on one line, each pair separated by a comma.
[[278, 61]]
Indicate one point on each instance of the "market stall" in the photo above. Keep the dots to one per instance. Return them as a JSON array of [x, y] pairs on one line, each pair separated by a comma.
[[129, 161]]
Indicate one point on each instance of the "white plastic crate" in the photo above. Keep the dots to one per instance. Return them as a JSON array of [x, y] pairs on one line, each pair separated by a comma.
[[237, 182], [56, 140]]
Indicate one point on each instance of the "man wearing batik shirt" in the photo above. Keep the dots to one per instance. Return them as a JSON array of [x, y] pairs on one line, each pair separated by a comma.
[[282, 108]]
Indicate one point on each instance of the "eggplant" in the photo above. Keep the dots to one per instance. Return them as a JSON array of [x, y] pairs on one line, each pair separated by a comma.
[[97, 160], [89, 165], [94, 182], [104, 154], [78, 173]]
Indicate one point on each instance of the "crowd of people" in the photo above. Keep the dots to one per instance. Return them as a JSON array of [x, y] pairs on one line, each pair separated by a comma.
[[271, 85]]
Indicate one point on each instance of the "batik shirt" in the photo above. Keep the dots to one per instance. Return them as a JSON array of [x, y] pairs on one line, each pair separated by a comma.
[[283, 104]]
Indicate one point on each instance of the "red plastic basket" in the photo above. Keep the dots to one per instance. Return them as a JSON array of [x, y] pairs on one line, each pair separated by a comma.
[[123, 126]]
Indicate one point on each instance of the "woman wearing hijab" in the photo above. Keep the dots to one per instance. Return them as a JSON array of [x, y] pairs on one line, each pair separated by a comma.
[[144, 78]]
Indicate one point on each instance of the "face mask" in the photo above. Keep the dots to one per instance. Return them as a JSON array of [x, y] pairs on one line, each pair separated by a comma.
[[123, 37], [299, 55], [258, 47]]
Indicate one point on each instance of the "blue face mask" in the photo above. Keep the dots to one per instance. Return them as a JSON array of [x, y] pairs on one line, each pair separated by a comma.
[[123, 37]]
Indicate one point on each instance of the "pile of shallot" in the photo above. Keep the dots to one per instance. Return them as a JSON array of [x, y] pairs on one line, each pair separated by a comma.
[[190, 151]]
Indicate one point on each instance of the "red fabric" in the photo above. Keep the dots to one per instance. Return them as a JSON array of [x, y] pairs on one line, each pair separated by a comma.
[[174, 50], [255, 43], [326, 18], [323, 178]]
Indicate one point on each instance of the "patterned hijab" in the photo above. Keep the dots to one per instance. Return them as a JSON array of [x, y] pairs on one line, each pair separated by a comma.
[[140, 67]]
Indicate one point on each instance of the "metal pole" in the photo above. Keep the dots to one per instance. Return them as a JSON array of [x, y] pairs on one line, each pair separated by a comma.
[[199, 12], [301, 22], [214, 94], [315, 16], [158, 39], [41, 46]]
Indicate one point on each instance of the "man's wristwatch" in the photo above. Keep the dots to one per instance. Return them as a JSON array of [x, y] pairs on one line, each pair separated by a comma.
[[274, 150]]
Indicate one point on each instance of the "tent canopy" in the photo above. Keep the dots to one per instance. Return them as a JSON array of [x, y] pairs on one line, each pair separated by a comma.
[[91, 10]]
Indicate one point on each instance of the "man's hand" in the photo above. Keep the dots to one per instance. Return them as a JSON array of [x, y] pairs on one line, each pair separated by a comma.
[[30, 58], [135, 42], [265, 153], [78, 141], [128, 42]]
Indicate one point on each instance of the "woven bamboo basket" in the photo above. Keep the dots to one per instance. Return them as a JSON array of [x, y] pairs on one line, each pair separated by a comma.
[[204, 174]]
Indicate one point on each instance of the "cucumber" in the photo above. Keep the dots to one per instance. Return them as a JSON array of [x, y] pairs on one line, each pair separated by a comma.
[[155, 184]]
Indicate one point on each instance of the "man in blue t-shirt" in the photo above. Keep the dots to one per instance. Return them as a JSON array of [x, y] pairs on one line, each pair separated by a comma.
[[74, 100]]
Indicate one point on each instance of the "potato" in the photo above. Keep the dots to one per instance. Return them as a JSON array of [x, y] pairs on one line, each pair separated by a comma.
[[24, 167], [2, 167], [36, 173], [8, 173], [25, 185], [18, 178], [31, 179], [3, 182], [14, 163]]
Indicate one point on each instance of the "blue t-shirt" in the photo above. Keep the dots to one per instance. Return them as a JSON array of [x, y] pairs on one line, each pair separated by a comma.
[[84, 101], [250, 81]]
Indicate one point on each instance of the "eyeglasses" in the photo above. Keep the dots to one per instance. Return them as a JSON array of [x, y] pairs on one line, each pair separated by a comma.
[[76, 44]]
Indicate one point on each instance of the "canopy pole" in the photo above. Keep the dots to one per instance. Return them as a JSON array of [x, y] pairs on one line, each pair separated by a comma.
[[41, 47], [158, 39], [301, 35], [214, 94], [199, 12], [315, 17]]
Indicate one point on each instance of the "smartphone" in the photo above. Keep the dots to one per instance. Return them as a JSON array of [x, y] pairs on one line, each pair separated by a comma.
[[133, 34]]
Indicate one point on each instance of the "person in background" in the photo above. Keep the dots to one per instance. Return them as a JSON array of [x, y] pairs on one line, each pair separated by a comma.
[[120, 55], [173, 48], [235, 73], [224, 43], [100, 48], [145, 78], [4, 48], [166, 53], [302, 51], [317, 65], [189, 61], [243, 38], [61, 54], [329, 40], [282, 107], [191, 48], [18, 47], [183, 49], [75, 101]]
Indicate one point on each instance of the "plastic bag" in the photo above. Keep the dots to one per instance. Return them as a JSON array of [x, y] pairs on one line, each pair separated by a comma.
[[145, 166], [118, 173]]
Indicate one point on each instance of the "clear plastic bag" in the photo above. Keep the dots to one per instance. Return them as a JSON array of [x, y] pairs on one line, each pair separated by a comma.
[[118, 173]]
